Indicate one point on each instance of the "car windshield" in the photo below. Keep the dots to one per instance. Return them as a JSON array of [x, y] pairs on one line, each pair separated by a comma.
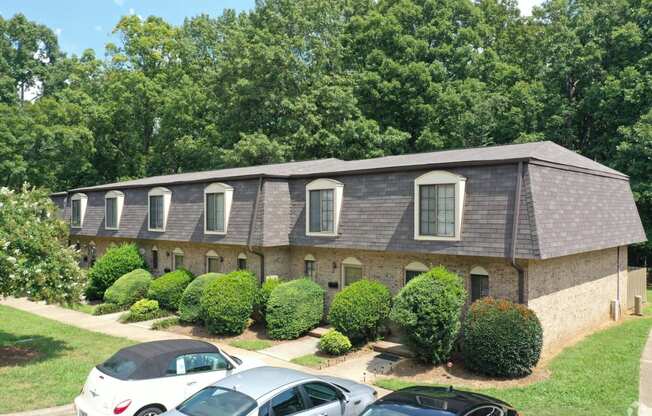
[[213, 401], [118, 366], [402, 410]]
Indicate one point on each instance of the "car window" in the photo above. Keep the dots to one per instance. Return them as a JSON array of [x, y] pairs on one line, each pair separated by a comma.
[[118, 366], [320, 393], [213, 401], [197, 363], [287, 403]]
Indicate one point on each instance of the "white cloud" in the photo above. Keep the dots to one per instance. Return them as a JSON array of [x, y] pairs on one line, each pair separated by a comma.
[[119, 2], [526, 6]]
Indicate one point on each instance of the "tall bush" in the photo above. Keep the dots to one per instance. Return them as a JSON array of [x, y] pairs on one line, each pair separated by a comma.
[[129, 288], [428, 309], [116, 262], [360, 309], [294, 308], [228, 302], [189, 304], [501, 338], [263, 295], [168, 289]]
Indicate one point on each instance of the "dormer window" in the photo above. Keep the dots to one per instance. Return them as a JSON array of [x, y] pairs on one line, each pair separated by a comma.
[[158, 208], [217, 207], [323, 205], [113, 203], [438, 204], [78, 204]]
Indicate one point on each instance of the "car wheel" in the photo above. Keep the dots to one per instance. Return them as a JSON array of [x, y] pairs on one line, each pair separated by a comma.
[[149, 411]]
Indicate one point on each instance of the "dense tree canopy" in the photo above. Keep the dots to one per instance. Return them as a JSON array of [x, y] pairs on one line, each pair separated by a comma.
[[348, 78]]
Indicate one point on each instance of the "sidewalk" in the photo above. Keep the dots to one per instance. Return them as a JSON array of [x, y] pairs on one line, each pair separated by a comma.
[[645, 382]]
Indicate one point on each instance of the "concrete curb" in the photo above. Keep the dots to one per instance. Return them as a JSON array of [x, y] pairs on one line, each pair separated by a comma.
[[65, 410]]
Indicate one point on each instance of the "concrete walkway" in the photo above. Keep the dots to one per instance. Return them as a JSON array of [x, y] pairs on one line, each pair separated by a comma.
[[645, 382], [293, 349]]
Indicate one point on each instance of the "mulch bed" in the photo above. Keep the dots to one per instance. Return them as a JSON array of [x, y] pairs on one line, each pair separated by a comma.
[[11, 356]]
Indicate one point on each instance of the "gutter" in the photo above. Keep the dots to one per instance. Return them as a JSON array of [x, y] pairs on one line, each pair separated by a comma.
[[252, 224], [512, 254]]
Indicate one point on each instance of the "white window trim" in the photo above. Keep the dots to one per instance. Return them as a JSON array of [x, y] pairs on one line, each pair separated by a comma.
[[440, 177], [119, 202], [338, 192], [219, 188], [167, 198], [415, 266], [82, 209], [349, 261], [211, 255], [479, 271], [177, 252]]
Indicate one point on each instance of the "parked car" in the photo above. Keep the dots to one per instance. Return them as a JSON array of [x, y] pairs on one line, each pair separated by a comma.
[[438, 401], [152, 377], [271, 391]]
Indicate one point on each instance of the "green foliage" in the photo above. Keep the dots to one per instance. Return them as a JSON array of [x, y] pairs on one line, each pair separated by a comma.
[[309, 360], [334, 343], [360, 309], [228, 302], [129, 288], [117, 261], [428, 309], [34, 259], [107, 308], [263, 294], [168, 289], [294, 308], [501, 338], [189, 304], [165, 323], [143, 310], [251, 344]]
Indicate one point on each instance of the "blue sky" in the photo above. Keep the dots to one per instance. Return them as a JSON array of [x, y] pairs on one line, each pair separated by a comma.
[[82, 24]]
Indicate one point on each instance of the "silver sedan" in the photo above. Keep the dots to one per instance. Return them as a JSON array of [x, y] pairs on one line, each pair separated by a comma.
[[271, 391]]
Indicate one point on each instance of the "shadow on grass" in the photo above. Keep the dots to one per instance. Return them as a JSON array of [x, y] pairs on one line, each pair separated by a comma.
[[25, 350]]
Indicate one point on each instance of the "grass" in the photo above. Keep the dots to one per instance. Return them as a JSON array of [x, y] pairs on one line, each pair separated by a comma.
[[81, 307], [597, 376], [165, 323], [310, 360], [62, 357], [251, 344]]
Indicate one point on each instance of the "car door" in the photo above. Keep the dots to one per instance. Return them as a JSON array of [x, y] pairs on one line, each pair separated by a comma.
[[199, 370], [323, 399], [286, 403]]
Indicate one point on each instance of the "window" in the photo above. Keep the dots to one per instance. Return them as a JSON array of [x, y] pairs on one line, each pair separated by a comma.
[[154, 258], [197, 363], [287, 403], [414, 269], [479, 283], [217, 401], [177, 259], [217, 206], [113, 203], [159, 205], [212, 262], [321, 393], [242, 261], [323, 205], [351, 271], [78, 209], [310, 266], [438, 206]]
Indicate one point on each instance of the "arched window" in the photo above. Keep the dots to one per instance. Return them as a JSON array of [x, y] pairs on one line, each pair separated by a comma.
[[217, 208], [113, 203], [351, 271], [242, 261], [323, 206], [438, 205], [177, 259], [78, 204], [310, 266], [158, 208], [212, 262], [414, 269], [479, 283]]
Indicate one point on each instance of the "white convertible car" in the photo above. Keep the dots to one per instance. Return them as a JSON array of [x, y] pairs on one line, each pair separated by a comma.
[[150, 378]]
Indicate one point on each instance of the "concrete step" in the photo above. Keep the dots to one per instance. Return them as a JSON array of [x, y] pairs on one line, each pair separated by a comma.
[[393, 348], [319, 331]]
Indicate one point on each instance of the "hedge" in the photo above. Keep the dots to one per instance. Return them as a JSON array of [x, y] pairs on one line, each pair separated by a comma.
[[167, 289], [116, 262], [129, 288], [294, 308], [501, 338], [189, 304], [227, 303], [263, 295], [334, 343], [428, 309], [143, 310], [360, 309]]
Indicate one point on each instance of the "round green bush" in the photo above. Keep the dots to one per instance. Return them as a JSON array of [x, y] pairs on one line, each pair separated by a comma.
[[360, 309], [189, 305], [334, 343], [294, 308], [228, 302], [501, 338], [167, 289], [144, 310], [428, 309], [116, 262], [263, 295], [129, 288]]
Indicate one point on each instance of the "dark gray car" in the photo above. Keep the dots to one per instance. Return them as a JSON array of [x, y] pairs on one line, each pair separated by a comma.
[[271, 391]]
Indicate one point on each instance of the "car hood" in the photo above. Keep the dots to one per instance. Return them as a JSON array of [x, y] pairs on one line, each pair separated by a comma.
[[354, 387]]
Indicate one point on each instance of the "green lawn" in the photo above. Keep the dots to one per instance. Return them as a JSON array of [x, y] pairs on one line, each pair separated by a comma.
[[310, 360], [597, 376], [251, 344], [55, 374], [81, 307]]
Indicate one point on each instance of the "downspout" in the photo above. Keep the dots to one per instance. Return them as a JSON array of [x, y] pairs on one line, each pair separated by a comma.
[[512, 257], [254, 215]]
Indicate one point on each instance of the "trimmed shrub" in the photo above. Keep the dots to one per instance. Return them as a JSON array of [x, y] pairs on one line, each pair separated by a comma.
[[294, 308], [228, 302], [189, 304], [116, 262], [360, 309], [129, 288], [501, 338], [143, 310], [167, 289], [107, 308], [428, 309], [334, 343], [263, 295]]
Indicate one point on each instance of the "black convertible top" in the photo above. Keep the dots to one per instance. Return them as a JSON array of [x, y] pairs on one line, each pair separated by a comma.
[[150, 359]]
